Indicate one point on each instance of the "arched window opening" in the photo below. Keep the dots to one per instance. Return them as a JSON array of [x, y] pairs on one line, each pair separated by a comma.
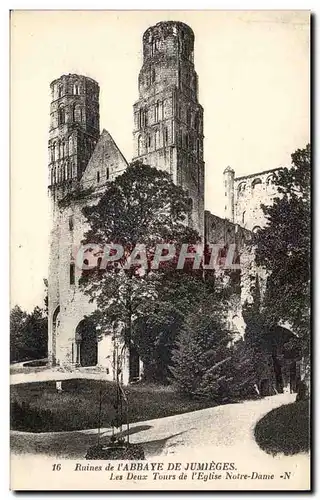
[[55, 319], [60, 91], [241, 187], [166, 135], [153, 75], [53, 152], [270, 182], [256, 182], [77, 113], [76, 89], [98, 177], [256, 229], [188, 117], [145, 118], [72, 273], [157, 139], [108, 173], [198, 148], [61, 115], [70, 145], [140, 118], [153, 47], [196, 122], [60, 150], [243, 216]]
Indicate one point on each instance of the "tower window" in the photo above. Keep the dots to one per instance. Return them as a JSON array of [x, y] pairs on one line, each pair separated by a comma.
[[60, 90], [71, 225], [256, 182], [98, 176], [188, 117], [153, 47], [77, 113], [72, 274], [61, 115], [157, 139], [140, 145], [153, 75], [108, 173], [198, 148], [166, 135], [243, 216], [140, 118], [76, 89]]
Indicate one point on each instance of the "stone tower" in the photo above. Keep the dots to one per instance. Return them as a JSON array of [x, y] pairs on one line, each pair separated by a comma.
[[73, 134], [168, 119], [74, 130]]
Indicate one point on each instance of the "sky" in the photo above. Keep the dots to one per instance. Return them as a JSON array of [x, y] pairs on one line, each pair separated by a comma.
[[254, 84]]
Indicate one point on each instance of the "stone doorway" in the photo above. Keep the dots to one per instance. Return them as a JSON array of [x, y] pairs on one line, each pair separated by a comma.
[[86, 343]]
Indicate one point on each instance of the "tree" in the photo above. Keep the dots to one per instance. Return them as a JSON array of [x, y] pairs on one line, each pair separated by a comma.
[[17, 322], [28, 334], [201, 353], [141, 207], [283, 248]]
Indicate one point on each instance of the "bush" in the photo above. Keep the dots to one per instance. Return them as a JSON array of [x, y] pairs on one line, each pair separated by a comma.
[[285, 429]]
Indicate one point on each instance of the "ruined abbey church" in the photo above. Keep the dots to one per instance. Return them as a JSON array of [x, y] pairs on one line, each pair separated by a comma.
[[168, 134]]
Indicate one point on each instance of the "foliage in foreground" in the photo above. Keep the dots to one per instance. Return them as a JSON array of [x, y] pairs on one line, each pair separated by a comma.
[[205, 363], [285, 429]]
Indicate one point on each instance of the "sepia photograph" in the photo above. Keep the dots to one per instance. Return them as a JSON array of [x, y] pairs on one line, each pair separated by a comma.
[[160, 250]]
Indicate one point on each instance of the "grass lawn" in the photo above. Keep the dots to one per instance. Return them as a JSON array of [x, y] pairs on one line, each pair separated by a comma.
[[285, 429], [37, 407]]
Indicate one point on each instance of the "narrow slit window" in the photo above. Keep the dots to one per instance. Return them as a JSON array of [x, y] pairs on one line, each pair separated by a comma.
[[72, 274]]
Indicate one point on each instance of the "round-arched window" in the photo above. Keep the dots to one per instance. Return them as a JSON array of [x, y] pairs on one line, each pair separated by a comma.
[[255, 183]]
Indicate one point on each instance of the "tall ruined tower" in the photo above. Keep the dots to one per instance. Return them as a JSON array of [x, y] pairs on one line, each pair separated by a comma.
[[73, 134], [74, 130], [168, 119]]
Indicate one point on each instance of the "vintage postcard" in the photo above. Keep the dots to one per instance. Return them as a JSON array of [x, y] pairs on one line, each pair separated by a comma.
[[160, 250]]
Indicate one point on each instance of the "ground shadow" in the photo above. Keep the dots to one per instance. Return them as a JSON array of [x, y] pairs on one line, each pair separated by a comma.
[[74, 445]]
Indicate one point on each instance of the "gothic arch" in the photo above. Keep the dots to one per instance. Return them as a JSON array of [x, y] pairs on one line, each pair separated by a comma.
[[76, 88], [86, 343], [56, 319], [77, 113], [61, 115], [70, 141], [157, 139]]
